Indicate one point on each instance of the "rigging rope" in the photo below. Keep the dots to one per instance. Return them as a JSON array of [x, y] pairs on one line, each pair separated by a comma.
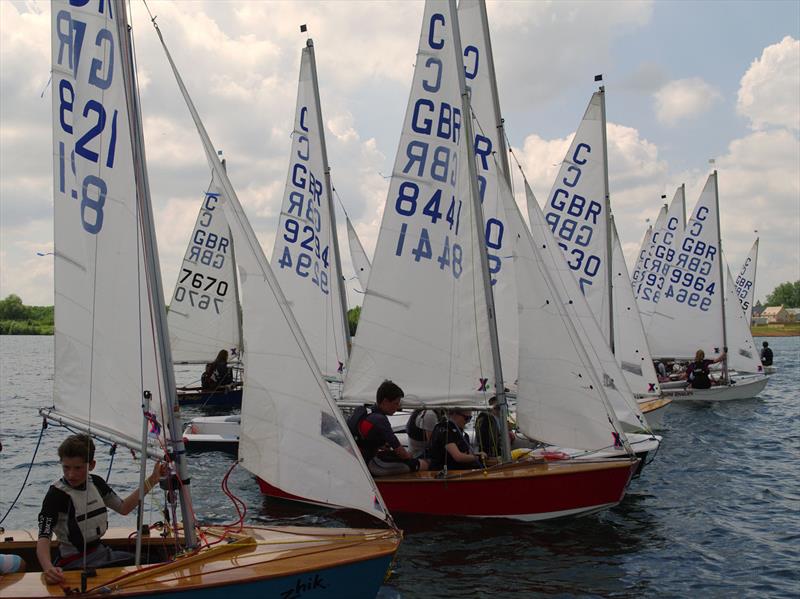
[[30, 467]]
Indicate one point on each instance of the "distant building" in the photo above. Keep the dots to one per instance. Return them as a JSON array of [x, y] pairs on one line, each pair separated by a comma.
[[759, 320], [794, 314], [776, 314], [757, 309]]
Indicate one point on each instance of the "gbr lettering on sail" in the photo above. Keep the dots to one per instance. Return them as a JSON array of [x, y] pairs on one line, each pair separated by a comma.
[[426, 198]]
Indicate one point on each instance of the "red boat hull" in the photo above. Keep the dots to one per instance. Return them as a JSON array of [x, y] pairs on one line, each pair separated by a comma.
[[525, 490]]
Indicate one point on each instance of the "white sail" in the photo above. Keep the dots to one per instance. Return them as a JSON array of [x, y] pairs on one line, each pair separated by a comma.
[[359, 257], [745, 284], [577, 215], [661, 253], [424, 321], [688, 315], [204, 312], [303, 257], [561, 398], [106, 353], [643, 249], [292, 433], [478, 69], [743, 355], [630, 343], [583, 319]]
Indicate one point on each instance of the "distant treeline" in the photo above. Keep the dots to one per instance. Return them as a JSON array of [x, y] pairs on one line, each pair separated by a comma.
[[18, 319]]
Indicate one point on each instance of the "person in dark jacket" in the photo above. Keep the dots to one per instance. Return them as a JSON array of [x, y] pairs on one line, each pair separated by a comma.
[[697, 372], [380, 447], [766, 354], [487, 433], [450, 444]]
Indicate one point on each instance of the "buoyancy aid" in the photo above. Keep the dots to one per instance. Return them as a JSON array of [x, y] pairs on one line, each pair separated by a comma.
[[412, 428], [90, 517]]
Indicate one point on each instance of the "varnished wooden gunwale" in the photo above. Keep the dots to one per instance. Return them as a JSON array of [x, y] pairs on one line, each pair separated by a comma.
[[654, 404], [277, 552]]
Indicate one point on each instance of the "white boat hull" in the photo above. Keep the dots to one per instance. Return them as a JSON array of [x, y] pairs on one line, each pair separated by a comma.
[[743, 388], [213, 433], [654, 409]]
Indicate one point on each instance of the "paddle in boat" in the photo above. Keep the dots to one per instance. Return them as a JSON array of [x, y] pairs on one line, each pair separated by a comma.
[[698, 308], [113, 367], [428, 319]]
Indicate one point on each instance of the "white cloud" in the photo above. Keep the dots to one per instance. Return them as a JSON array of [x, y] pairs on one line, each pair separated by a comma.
[[684, 99], [769, 92]]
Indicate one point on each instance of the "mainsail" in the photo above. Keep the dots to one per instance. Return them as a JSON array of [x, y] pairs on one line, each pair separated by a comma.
[[292, 434], [643, 249], [204, 312], [688, 315], [745, 284], [577, 211], [424, 320], [655, 266], [305, 257], [743, 355], [107, 353]]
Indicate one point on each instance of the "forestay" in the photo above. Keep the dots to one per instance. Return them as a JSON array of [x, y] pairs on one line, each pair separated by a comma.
[[292, 434], [204, 313], [745, 284], [576, 212], [561, 398], [359, 257], [303, 257], [630, 343], [688, 315], [655, 267], [489, 155], [424, 321], [106, 353], [583, 319]]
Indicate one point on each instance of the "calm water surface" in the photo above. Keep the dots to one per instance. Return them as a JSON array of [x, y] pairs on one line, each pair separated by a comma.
[[717, 514]]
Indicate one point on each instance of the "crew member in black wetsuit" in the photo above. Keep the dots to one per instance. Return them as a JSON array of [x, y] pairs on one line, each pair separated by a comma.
[[766, 354], [380, 447]]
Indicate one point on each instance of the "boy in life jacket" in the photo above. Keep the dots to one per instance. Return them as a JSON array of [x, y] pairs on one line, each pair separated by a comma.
[[75, 510], [380, 447]]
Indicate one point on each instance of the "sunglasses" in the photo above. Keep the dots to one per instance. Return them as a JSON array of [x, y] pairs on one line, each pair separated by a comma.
[[466, 417]]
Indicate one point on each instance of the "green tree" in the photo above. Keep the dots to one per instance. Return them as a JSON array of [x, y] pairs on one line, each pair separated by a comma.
[[12, 308], [352, 319], [786, 294]]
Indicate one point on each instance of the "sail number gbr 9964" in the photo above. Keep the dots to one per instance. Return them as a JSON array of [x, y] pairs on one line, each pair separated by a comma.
[[89, 106]]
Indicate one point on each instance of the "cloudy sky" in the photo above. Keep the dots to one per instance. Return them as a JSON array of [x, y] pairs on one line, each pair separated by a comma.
[[685, 81]]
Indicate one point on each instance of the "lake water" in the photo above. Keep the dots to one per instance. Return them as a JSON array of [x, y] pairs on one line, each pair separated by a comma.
[[717, 514]]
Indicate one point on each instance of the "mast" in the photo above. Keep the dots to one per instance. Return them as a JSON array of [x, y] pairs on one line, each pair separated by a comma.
[[501, 132], [721, 281], [329, 191], [683, 204], [479, 224], [609, 269], [154, 273]]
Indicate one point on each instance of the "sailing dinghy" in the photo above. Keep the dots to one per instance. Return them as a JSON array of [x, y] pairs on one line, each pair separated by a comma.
[[113, 370], [204, 314], [427, 323], [695, 311]]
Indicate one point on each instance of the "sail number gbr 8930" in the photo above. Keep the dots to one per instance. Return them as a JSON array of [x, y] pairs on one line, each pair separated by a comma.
[[89, 121]]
